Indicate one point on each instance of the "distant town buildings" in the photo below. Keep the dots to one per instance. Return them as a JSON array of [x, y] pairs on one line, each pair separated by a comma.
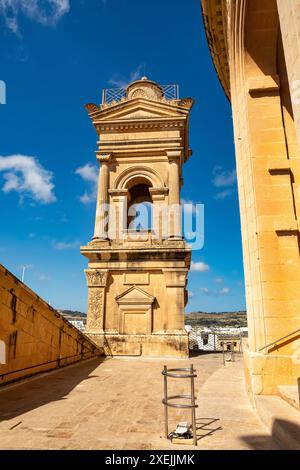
[[215, 339], [77, 319]]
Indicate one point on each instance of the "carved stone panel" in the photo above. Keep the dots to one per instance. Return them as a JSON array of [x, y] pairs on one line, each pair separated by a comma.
[[95, 309]]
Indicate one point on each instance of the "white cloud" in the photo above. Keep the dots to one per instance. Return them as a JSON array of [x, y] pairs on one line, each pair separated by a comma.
[[12, 24], [122, 82], [44, 278], [44, 12], [219, 280], [221, 195], [190, 293], [205, 290], [89, 173], [223, 178], [224, 291], [199, 266], [65, 245], [26, 176], [86, 198]]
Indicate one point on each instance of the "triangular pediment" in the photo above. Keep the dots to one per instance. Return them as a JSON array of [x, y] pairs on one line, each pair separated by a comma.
[[140, 108], [135, 294], [140, 113]]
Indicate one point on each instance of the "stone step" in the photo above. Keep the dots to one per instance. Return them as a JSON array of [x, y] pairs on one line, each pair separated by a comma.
[[290, 394], [282, 419]]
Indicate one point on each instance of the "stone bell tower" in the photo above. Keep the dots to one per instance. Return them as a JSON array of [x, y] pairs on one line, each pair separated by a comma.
[[137, 276]]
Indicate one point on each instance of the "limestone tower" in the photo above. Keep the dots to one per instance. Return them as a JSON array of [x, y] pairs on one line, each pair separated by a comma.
[[137, 274]]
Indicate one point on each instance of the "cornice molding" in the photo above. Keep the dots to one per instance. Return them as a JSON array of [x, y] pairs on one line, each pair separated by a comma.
[[102, 126], [215, 23]]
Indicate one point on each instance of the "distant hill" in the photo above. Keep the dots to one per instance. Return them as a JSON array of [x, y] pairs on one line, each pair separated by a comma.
[[215, 319], [208, 319], [73, 313]]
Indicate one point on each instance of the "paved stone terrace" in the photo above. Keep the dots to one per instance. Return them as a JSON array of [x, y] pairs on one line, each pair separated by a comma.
[[116, 404]]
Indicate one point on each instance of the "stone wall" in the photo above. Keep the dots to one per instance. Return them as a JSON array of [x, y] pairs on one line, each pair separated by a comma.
[[289, 16], [34, 337], [263, 45]]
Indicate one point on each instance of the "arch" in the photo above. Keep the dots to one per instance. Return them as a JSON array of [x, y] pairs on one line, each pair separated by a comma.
[[131, 176], [139, 204]]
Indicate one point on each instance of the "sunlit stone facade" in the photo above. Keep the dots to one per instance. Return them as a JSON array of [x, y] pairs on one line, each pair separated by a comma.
[[255, 45], [137, 280]]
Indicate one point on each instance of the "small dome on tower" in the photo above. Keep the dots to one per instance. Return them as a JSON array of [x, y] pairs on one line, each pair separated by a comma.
[[144, 88]]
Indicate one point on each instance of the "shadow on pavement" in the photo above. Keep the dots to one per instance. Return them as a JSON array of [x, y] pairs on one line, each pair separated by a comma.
[[24, 397], [204, 428]]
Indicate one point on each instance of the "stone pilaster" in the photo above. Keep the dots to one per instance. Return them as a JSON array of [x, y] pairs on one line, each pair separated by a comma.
[[118, 221], [96, 282], [158, 196], [175, 284]]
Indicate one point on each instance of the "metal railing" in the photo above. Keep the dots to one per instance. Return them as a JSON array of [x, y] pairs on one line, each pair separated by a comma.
[[180, 373], [279, 339], [229, 349], [109, 95]]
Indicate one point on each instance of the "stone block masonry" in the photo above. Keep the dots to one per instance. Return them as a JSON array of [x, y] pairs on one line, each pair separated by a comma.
[[34, 337], [255, 46], [137, 271]]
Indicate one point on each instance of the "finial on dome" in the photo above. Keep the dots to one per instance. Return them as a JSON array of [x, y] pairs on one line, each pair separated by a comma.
[[144, 78]]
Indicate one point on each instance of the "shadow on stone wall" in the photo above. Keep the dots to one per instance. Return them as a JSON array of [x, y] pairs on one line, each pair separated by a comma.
[[285, 435]]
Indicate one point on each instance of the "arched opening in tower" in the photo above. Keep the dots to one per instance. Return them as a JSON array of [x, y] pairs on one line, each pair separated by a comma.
[[139, 216]]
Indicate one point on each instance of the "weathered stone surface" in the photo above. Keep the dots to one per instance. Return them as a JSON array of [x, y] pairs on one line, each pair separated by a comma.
[[36, 337], [116, 404], [142, 146], [255, 46]]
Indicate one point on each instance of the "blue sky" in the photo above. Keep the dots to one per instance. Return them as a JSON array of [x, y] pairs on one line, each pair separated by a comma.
[[57, 55]]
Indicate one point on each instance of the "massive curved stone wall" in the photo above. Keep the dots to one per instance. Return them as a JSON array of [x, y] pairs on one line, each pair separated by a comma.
[[263, 56]]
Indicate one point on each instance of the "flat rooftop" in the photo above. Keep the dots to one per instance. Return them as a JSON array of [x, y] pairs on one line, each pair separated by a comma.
[[115, 403]]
